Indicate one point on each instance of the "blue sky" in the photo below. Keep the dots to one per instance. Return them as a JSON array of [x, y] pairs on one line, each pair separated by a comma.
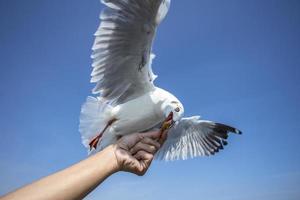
[[236, 62]]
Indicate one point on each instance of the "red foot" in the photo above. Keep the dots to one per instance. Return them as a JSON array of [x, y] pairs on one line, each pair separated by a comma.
[[95, 141]]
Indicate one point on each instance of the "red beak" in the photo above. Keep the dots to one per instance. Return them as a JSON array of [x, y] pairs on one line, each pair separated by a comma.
[[170, 117]]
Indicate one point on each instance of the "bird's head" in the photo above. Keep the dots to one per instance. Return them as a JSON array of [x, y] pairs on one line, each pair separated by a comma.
[[173, 110]]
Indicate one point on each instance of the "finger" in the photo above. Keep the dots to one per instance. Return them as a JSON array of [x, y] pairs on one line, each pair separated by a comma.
[[145, 160], [137, 167], [143, 155], [152, 134], [150, 141], [145, 147], [129, 141]]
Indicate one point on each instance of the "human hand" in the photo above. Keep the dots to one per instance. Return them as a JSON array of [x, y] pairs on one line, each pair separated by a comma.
[[135, 152]]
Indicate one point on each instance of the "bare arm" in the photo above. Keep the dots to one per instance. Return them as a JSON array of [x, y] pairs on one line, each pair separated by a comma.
[[133, 153]]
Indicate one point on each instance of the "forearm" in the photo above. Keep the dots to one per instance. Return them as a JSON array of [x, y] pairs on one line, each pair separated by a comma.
[[74, 182]]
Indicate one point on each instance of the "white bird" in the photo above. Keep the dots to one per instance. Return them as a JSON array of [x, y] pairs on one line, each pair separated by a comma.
[[129, 101]]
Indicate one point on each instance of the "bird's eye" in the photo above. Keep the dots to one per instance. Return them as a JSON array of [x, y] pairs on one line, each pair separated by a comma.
[[177, 109]]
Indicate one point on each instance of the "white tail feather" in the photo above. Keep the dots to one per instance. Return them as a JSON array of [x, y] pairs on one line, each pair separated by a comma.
[[95, 113]]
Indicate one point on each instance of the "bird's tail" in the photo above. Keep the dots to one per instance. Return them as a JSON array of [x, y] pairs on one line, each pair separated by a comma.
[[95, 114]]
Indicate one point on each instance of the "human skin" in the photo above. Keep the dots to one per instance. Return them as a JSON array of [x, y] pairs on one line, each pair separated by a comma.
[[133, 153]]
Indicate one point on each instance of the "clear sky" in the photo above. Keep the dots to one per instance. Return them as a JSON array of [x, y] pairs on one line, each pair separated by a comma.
[[234, 61]]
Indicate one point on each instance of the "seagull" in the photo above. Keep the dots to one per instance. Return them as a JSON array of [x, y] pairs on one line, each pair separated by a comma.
[[127, 100]]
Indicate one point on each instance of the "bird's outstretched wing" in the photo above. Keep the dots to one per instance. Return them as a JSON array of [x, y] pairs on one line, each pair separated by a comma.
[[122, 48], [193, 137]]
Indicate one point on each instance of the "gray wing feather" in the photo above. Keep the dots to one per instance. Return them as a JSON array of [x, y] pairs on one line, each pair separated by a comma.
[[122, 48], [192, 137]]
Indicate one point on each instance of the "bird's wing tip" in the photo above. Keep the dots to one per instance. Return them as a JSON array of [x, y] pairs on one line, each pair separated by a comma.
[[237, 131]]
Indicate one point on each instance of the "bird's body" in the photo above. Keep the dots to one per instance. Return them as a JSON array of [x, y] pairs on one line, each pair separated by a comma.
[[142, 113], [137, 115], [129, 101]]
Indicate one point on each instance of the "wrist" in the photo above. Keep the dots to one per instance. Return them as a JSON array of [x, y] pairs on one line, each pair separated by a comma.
[[113, 161]]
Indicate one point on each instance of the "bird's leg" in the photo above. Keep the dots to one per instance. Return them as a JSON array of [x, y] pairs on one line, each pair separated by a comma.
[[94, 142]]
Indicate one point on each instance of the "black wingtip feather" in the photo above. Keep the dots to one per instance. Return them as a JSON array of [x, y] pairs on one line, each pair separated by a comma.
[[227, 128], [224, 142]]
